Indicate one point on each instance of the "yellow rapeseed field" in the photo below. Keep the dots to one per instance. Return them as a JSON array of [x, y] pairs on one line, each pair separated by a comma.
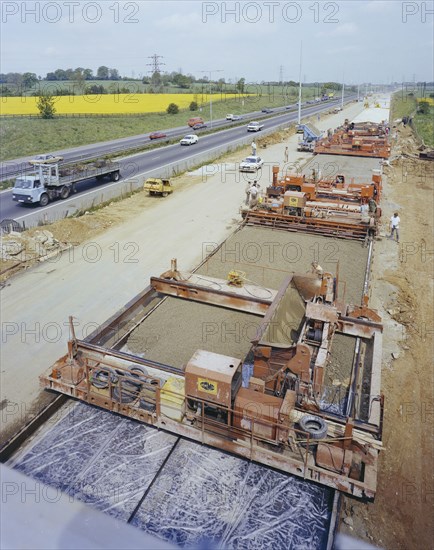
[[429, 100], [106, 103]]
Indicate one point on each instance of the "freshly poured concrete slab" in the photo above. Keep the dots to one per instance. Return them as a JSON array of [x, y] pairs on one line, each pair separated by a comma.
[[178, 327], [268, 256], [359, 168]]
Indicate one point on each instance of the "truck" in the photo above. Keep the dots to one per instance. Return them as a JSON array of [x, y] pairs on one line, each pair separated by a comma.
[[158, 186], [51, 181], [254, 126], [310, 135]]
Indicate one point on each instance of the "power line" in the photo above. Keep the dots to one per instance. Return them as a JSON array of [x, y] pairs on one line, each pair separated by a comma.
[[156, 63]]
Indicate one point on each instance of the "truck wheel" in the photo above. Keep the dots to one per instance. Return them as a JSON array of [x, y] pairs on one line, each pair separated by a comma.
[[44, 200], [65, 192], [115, 176], [164, 194]]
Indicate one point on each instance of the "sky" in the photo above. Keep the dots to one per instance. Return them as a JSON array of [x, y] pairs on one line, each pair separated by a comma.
[[355, 41]]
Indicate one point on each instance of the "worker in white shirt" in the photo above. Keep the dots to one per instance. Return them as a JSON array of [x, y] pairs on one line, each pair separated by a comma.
[[248, 186], [254, 192], [394, 226]]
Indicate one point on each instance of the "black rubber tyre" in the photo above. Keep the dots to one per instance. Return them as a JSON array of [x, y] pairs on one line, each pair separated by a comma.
[[138, 374], [315, 426], [137, 370], [65, 192], [100, 378], [128, 394], [147, 405], [116, 176], [44, 200]]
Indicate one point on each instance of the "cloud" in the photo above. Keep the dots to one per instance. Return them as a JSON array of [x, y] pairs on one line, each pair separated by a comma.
[[346, 29], [342, 49], [379, 6], [179, 22]]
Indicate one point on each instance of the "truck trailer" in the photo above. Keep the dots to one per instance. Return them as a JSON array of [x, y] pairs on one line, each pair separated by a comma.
[[51, 181]]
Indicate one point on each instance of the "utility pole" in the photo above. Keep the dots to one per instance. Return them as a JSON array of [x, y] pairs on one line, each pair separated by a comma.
[[281, 74], [343, 88], [156, 63], [299, 86], [210, 92]]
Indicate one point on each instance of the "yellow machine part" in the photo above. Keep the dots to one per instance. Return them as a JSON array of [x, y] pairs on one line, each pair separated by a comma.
[[236, 278], [172, 398]]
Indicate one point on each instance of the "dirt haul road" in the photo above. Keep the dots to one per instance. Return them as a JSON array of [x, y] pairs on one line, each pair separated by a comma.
[[401, 518]]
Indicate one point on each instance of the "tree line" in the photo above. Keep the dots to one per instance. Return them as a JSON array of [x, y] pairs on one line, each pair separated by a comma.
[[156, 82]]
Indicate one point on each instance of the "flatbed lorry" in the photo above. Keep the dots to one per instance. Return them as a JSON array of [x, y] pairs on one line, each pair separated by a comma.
[[51, 181]]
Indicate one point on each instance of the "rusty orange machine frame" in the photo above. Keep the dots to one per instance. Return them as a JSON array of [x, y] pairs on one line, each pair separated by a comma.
[[343, 143], [276, 420], [329, 207]]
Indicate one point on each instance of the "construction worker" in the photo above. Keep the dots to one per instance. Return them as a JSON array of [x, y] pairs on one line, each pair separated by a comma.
[[286, 154], [253, 194], [317, 269], [394, 226], [248, 186], [372, 206]]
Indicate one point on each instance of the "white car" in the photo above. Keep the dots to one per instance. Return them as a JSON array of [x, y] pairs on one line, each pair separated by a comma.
[[251, 164], [229, 117], [255, 126], [191, 139]]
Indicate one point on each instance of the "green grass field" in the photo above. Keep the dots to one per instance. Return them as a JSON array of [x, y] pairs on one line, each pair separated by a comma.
[[425, 127], [405, 105], [402, 105]]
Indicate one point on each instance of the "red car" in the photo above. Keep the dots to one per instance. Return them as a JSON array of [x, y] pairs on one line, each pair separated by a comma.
[[157, 135]]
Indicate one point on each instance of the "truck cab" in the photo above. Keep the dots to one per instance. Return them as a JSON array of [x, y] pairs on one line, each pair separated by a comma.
[[28, 189]]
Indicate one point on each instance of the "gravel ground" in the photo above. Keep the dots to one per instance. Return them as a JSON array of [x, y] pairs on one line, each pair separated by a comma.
[[357, 168], [338, 373], [268, 256], [176, 329], [341, 360]]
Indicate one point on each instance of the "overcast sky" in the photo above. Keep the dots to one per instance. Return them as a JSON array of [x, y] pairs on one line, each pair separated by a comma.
[[366, 41]]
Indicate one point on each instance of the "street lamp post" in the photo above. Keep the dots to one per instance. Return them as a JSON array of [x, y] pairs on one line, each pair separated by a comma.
[[210, 91], [343, 90], [299, 86]]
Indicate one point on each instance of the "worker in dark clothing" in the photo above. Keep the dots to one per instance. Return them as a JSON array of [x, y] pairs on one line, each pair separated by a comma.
[[372, 206]]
